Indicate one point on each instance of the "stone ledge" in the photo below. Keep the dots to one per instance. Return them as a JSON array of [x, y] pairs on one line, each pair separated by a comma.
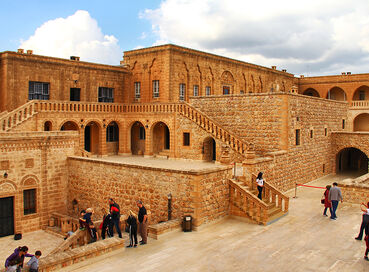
[[72, 256], [155, 231]]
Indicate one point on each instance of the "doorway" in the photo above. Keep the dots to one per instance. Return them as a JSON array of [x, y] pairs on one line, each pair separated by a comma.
[[6, 216]]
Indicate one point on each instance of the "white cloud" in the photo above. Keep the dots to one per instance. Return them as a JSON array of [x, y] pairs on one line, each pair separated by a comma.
[[76, 35], [311, 37]]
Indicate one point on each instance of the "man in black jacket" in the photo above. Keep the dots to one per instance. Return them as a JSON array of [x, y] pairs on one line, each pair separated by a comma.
[[115, 216]]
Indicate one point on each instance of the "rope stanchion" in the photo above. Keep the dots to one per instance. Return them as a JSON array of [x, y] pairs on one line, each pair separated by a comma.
[[303, 185]]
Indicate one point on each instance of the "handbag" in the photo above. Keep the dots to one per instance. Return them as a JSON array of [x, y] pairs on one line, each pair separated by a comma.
[[322, 201]]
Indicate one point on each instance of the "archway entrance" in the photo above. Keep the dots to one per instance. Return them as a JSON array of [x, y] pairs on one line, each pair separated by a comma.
[[361, 93], [138, 138], [112, 138], [336, 93], [70, 125], [311, 92], [361, 122], [47, 126], [161, 138], [92, 137], [352, 160], [209, 149]]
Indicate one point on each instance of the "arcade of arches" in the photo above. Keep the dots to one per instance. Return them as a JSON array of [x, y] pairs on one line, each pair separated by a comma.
[[352, 160]]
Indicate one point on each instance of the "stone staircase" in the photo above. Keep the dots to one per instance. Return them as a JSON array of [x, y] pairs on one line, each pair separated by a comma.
[[164, 154], [245, 203], [12, 119], [21, 114]]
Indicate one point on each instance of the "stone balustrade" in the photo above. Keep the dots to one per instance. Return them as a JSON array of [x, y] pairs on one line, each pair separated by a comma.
[[272, 194], [26, 111], [360, 104], [17, 116], [243, 202]]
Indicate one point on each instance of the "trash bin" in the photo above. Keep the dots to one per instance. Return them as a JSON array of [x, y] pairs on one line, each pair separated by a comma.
[[187, 223]]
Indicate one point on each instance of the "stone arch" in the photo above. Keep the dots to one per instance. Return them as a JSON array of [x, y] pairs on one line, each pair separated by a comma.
[[361, 122], [112, 137], [69, 125], [337, 93], [227, 81], [160, 137], [138, 138], [29, 180], [92, 136], [311, 92], [352, 160], [48, 126], [361, 93], [7, 186], [209, 149]]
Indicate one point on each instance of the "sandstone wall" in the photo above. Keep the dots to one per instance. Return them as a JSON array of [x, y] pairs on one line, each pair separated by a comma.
[[315, 156], [257, 119], [204, 195], [62, 74], [35, 161]]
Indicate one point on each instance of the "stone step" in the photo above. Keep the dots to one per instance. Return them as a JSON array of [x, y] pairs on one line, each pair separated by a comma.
[[55, 231], [273, 211], [275, 217]]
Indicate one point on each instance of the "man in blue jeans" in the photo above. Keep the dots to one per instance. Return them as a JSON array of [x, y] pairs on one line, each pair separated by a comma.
[[334, 196]]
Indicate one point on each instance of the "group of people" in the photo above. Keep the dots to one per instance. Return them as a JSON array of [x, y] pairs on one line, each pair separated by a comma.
[[14, 263], [111, 220], [331, 197]]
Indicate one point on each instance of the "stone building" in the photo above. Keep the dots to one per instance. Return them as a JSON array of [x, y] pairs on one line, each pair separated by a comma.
[[62, 120]]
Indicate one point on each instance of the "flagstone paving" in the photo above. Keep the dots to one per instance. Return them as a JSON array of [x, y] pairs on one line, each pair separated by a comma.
[[304, 240]]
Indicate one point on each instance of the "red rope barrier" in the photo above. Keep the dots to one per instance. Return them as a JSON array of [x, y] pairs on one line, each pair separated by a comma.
[[310, 186]]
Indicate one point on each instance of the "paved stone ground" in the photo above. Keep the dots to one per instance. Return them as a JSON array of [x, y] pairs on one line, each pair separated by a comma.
[[304, 240], [37, 240]]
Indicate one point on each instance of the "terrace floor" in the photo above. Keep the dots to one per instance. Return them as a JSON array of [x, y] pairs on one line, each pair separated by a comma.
[[304, 240]]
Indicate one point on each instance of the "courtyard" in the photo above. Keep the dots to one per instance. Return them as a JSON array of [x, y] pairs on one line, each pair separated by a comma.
[[304, 240]]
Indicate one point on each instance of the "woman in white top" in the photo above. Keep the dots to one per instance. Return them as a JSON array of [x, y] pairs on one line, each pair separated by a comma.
[[260, 184], [365, 222]]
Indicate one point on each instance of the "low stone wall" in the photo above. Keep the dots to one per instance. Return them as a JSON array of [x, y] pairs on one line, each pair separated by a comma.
[[72, 256], [355, 190]]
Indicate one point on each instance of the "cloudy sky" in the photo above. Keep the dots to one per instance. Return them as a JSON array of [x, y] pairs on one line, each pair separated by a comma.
[[305, 37]]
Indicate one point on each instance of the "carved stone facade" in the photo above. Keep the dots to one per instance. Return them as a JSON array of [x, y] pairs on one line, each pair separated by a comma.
[[172, 102]]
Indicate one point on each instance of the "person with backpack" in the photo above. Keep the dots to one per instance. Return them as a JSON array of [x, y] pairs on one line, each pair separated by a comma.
[[115, 217]]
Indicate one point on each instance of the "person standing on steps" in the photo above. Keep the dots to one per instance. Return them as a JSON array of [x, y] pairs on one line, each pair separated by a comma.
[[260, 184], [335, 195], [115, 216], [142, 219], [364, 222]]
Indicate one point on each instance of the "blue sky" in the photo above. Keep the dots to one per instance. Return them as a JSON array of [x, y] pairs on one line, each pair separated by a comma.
[[19, 19], [311, 38]]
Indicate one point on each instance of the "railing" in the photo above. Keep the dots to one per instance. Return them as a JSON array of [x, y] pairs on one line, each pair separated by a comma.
[[17, 116], [248, 203], [29, 109], [272, 194], [360, 104], [212, 127]]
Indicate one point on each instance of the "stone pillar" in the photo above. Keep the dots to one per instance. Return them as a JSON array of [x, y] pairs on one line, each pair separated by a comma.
[[102, 142], [148, 142], [124, 146]]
